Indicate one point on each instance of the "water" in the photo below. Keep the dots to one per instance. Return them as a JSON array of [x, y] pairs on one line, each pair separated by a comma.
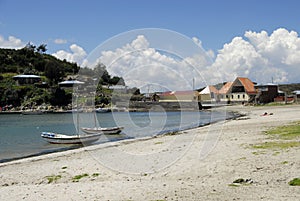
[[20, 134]]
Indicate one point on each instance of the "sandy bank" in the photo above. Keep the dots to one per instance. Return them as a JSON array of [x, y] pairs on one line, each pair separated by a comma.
[[198, 164]]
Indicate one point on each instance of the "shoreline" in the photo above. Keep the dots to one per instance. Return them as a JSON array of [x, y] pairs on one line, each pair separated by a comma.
[[232, 115], [189, 177]]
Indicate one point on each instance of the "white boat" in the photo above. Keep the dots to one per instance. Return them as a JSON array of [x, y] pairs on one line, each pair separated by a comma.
[[106, 130], [56, 138], [103, 110]]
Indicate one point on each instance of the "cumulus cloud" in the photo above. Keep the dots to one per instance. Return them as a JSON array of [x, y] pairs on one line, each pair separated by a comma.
[[142, 65], [261, 57], [60, 41], [11, 43], [76, 55]]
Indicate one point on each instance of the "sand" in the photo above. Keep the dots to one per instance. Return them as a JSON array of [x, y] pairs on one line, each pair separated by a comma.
[[196, 164]]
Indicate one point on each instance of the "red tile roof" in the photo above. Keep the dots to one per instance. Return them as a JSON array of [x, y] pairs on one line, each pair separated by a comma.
[[248, 84], [226, 88]]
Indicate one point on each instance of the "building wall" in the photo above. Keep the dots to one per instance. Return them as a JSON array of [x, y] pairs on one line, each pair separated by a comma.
[[234, 97], [267, 93]]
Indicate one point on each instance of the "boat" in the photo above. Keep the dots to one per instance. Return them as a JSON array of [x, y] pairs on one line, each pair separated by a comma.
[[103, 110], [56, 138], [103, 130]]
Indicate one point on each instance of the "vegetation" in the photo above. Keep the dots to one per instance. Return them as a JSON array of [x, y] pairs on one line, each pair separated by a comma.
[[295, 182], [287, 132], [33, 60], [78, 177], [53, 178], [283, 137]]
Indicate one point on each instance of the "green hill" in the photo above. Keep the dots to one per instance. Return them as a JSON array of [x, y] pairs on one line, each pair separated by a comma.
[[32, 60]]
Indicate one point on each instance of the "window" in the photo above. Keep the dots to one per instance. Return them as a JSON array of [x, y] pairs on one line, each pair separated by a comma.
[[243, 96], [238, 96], [232, 96]]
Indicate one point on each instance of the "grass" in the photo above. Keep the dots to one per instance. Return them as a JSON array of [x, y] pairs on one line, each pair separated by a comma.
[[295, 182], [76, 178], [277, 145], [95, 174], [287, 137], [287, 132], [53, 178]]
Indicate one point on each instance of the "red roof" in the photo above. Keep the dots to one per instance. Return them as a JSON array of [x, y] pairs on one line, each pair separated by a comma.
[[248, 84], [226, 87]]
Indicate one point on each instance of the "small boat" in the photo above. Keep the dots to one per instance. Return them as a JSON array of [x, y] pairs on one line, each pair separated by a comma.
[[107, 131], [103, 110], [56, 138]]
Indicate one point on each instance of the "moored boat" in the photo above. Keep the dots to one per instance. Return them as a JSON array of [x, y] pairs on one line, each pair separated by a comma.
[[106, 130], [56, 138]]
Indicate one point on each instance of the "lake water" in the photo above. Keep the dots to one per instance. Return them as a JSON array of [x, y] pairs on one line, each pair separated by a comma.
[[20, 134]]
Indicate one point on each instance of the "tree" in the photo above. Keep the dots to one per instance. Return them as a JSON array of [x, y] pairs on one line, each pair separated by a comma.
[[42, 48], [53, 72]]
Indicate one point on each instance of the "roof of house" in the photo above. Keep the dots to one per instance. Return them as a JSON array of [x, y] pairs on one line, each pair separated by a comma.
[[297, 92], [170, 93], [247, 83], [209, 89], [26, 76], [70, 82], [226, 88]]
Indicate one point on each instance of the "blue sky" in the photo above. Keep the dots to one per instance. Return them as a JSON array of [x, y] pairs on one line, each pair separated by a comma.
[[89, 23], [257, 39]]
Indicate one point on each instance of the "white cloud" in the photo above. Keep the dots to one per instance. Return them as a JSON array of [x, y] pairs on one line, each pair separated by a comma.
[[140, 65], [261, 57], [11, 43], [60, 41], [77, 54]]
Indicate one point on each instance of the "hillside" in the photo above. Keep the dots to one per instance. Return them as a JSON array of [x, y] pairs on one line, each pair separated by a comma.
[[34, 60]]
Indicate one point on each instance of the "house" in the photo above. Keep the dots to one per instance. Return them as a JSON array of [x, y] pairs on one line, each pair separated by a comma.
[[266, 93], [178, 96], [69, 83], [241, 90], [27, 79], [209, 94]]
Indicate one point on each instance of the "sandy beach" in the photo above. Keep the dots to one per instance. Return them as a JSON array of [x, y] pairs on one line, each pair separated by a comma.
[[196, 164]]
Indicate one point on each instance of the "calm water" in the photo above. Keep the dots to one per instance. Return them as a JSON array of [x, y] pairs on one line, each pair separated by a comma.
[[20, 134]]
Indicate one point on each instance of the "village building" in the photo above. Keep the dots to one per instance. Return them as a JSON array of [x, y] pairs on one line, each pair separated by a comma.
[[27, 79], [266, 93], [209, 95], [69, 83], [178, 96], [241, 90]]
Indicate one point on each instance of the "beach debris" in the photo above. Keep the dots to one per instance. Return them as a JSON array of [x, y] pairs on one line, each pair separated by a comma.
[[242, 181], [266, 114]]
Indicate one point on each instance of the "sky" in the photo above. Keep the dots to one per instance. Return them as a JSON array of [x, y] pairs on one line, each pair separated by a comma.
[[258, 39]]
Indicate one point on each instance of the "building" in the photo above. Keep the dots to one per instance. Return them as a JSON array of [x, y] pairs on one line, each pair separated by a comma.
[[209, 94], [27, 79], [70, 83], [178, 96], [266, 93], [241, 90]]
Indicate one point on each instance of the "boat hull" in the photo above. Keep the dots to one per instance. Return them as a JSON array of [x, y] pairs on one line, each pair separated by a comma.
[[55, 138], [106, 131]]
